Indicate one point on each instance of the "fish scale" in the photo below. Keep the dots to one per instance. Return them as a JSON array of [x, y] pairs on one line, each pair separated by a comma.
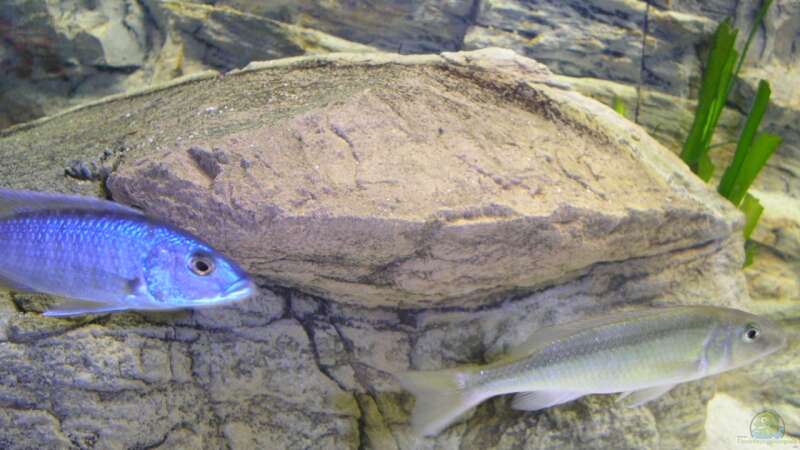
[[80, 251], [104, 256], [604, 350], [642, 354], [606, 363]]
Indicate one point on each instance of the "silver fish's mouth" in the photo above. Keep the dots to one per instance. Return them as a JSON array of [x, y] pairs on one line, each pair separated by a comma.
[[240, 290]]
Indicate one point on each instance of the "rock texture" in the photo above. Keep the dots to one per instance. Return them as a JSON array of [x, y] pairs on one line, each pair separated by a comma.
[[649, 54], [650, 58], [415, 26], [597, 39], [476, 197], [295, 168], [60, 54], [122, 44]]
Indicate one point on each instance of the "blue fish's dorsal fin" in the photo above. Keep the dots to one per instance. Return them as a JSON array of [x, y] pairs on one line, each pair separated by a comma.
[[19, 201]]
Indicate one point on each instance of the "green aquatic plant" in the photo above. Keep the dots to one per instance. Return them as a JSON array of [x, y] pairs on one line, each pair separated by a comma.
[[619, 106], [752, 151], [752, 212], [753, 148], [714, 92]]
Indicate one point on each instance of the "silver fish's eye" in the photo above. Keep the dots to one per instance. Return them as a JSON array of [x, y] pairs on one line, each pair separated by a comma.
[[201, 265], [751, 333]]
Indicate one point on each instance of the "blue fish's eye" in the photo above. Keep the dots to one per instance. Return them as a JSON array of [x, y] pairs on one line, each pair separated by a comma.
[[201, 265]]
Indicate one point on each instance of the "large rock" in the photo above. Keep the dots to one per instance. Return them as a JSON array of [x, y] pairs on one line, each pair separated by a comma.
[[62, 54], [476, 197], [398, 212], [59, 55], [415, 26], [596, 39], [225, 39]]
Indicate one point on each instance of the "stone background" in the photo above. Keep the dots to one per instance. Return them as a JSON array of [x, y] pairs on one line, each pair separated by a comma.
[[58, 55]]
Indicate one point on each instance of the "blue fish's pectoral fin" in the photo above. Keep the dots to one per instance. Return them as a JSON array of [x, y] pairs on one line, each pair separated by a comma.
[[72, 307], [536, 400], [14, 285], [633, 399], [135, 287]]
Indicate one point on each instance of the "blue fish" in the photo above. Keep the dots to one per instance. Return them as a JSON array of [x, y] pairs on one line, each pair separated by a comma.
[[103, 256]]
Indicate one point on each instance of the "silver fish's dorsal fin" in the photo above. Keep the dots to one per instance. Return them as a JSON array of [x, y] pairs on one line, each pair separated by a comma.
[[19, 201], [536, 400], [545, 336], [633, 399]]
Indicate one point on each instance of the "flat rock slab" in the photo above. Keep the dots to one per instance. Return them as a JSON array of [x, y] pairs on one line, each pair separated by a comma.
[[402, 181], [414, 181]]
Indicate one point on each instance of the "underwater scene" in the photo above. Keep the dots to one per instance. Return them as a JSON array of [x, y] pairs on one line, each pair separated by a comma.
[[399, 224]]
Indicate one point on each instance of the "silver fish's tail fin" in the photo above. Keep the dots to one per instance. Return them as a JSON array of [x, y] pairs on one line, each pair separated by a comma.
[[442, 396]]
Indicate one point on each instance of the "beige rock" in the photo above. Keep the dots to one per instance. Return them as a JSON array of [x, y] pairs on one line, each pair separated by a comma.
[[549, 201], [597, 39], [729, 426], [665, 117], [605, 42], [31, 425], [417, 26], [63, 54], [225, 39], [474, 198]]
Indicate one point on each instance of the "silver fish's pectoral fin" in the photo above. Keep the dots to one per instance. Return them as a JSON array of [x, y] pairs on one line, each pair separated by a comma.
[[633, 399], [71, 307], [536, 400]]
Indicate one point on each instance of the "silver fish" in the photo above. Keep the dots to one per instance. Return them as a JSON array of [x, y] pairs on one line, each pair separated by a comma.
[[642, 354], [105, 257]]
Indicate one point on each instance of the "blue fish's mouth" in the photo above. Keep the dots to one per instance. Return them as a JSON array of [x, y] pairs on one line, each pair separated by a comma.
[[240, 290]]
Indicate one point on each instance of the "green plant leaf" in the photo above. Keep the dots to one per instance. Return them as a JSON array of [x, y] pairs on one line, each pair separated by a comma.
[[753, 149], [764, 145], [713, 94], [752, 210], [723, 89], [750, 252], [746, 139], [619, 106], [705, 168]]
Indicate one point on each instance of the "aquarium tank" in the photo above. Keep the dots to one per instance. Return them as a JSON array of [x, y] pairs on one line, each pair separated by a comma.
[[396, 225]]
